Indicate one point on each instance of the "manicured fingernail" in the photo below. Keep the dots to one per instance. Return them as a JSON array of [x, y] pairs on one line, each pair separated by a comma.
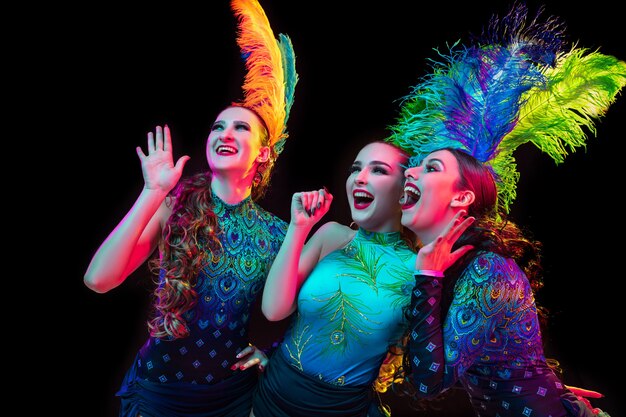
[[242, 367], [326, 189], [232, 368]]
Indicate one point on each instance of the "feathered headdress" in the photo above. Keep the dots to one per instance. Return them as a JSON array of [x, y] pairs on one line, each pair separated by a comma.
[[271, 76], [516, 84]]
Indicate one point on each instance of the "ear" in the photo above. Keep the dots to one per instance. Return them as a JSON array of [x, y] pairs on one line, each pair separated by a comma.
[[264, 154], [463, 199]]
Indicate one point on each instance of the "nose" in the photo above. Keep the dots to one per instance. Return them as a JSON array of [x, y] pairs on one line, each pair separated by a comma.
[[227, 134], [411, 173], [361, 177]]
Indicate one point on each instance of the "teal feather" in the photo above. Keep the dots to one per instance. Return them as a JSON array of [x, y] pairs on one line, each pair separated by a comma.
[[291, 79]]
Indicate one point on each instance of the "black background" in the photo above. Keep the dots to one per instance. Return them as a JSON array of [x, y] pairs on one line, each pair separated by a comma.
[[114, 73]]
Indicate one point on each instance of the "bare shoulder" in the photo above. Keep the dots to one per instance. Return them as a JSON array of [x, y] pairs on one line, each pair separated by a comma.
[[333, 236]]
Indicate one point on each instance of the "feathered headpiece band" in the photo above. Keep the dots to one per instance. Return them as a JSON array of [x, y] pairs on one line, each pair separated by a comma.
[[515, 85], [271, 77]]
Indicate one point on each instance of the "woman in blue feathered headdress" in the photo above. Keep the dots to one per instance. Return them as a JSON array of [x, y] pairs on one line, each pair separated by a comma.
[[479, 325]]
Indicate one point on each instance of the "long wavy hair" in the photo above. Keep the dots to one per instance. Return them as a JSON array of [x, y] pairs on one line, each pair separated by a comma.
[[490, 232], [189, 242]]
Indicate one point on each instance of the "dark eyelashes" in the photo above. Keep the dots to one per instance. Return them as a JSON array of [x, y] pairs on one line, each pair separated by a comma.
[[378, 170]]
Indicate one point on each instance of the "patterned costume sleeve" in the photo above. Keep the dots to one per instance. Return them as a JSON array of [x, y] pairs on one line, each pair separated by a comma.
[[425, 344], [491, 302]]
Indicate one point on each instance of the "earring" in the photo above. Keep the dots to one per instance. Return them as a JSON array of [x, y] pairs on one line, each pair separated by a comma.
[[257, 178]]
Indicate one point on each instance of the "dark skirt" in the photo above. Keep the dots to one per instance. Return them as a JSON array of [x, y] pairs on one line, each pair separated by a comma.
[[284, 391], [231, 397]]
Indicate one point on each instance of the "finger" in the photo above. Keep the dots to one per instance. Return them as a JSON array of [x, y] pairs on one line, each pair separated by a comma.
[[323, 196], [328, 198], [584, 392], [458, 254], [180, 164], [167, 140], [159, 138], [242, 365], [455, 228], [150, 142], [460, 228], [306, 202], [326, 194], [315, 201], [250, 363], [140, 154], [450, 226], [246, 351]]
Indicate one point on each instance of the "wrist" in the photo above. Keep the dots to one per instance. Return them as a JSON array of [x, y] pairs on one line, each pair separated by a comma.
[[429, 273]]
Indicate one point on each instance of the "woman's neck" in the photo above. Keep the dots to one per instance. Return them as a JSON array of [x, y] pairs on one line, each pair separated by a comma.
[[229, 190], [429, 234], [384, 227]]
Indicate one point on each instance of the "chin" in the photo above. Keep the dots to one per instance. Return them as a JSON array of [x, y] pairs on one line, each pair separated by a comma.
[[360, 219], [407, 219]]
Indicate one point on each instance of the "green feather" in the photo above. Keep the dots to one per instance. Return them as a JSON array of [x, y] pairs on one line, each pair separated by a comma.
[[580, 89]]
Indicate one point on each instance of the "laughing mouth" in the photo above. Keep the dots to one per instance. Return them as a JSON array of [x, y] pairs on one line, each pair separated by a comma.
[[362, 199], [410, 197], [226, 150]]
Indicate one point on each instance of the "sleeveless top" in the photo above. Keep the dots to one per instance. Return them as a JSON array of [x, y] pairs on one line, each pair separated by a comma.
[[350, 309]]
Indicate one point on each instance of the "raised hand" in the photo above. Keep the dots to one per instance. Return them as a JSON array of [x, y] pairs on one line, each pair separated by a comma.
[[159, 171], [307, 208], [438, 255]]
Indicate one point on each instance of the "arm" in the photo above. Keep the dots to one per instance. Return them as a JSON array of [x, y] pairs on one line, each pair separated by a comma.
[[426, 340], [136, 236], [295, 260], [473, 320]]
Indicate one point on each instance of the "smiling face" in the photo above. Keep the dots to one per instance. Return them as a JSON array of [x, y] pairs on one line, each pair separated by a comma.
[[374, 187], [235, 142], [432, 195]]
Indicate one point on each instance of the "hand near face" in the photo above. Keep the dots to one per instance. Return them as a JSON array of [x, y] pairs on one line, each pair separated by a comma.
[[438, 255], [159, 171], [308, 207]]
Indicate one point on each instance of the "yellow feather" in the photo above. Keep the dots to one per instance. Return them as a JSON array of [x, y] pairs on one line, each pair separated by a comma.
[[264, 84]]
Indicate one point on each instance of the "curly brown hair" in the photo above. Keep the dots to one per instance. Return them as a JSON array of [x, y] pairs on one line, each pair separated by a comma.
[[189, 242]]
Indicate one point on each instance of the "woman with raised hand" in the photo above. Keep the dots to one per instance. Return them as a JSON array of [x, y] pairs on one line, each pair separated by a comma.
[[216, 244], [479, 324], [346, 289]]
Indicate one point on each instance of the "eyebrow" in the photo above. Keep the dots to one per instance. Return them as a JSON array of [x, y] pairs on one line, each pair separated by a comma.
[[430, 160], [380, 163], [233, 121], [373, 163]]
